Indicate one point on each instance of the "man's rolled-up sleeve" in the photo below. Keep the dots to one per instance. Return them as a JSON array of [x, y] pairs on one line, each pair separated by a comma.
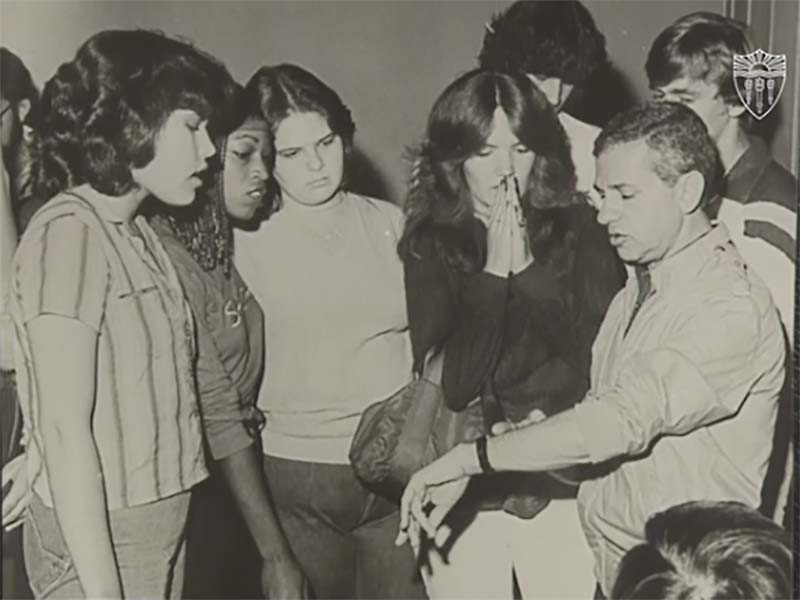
[[700, 373]]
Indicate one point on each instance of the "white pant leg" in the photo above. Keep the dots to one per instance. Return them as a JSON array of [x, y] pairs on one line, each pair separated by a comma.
[[479, 563], [551, 557]]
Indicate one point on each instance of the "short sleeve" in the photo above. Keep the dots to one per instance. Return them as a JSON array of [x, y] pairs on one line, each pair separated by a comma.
[[61, 270]]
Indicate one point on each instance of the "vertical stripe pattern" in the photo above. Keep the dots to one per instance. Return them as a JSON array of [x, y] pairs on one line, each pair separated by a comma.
[[82, 271], [113, 394], [77, 260]]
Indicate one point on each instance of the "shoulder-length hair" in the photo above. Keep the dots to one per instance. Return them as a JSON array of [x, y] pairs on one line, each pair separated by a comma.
[[287, 88], [101, 111], [439, 204], [204, 227]]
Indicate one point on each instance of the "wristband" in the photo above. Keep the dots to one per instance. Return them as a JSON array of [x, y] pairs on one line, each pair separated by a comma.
[[483, 458]]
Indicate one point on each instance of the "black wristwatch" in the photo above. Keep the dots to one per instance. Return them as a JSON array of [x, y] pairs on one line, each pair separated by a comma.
[[483, 457]]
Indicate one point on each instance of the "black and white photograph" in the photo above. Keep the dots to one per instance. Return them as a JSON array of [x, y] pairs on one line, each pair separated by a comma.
[[399, 299]]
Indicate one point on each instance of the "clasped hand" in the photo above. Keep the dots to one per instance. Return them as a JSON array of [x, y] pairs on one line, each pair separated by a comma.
[[507, 248]]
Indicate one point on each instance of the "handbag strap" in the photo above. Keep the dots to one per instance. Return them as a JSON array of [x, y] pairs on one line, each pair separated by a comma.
[[434, 363]]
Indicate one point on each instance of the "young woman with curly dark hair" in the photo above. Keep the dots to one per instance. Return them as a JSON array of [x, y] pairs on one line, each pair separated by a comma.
[[230, 336], [104, 338], [325, 269], [509, 273]]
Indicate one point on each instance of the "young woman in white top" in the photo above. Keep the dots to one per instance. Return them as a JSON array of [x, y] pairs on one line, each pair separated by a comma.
[[325, 270]]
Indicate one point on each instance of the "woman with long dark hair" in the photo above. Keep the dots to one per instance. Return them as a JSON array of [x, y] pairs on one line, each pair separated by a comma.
[[104, 339], [509, 274]]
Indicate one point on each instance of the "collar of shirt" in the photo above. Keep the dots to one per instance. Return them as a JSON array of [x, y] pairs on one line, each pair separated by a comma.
[[148, 246], [100, 205], [742, 178], [682, 267]]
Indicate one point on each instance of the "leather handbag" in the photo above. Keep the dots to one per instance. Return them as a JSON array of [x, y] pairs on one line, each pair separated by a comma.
[[401, 434]]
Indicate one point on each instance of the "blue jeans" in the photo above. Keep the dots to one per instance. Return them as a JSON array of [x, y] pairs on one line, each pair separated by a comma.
[[221, 559], [147, 540], [342, 534]]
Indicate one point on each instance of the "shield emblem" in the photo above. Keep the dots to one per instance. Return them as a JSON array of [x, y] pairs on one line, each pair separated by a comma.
[[759, 78]]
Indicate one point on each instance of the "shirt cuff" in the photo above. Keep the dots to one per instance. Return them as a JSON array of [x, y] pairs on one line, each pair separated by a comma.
[[228, 439]]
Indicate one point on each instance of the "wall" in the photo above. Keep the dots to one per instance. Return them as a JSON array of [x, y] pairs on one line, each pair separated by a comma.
[[388, 59]]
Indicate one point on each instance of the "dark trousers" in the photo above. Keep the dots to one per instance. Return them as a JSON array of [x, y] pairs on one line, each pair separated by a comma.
[[14, 579], [10, 417], [221, 558], [342, 534]]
